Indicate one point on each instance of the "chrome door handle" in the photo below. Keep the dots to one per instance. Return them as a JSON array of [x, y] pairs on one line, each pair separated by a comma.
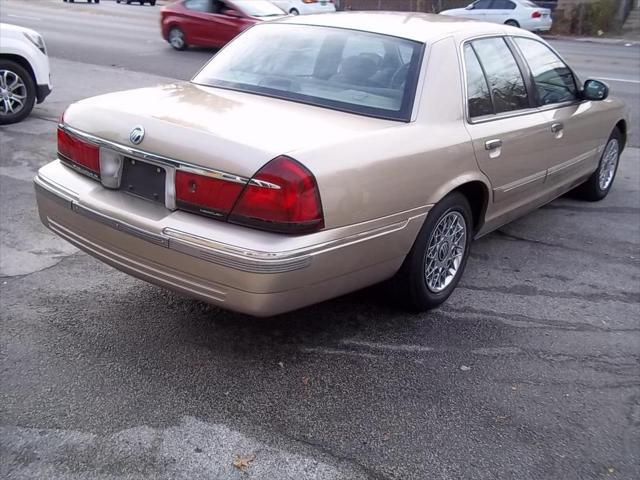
[[492, 144], [556, 127]]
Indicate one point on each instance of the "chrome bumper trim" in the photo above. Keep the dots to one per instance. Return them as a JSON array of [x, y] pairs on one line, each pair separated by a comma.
[[230, 256], [153, 158], [252, 261]]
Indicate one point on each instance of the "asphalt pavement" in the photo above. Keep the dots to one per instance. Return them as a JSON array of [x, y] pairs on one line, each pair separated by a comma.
[[530, 371]]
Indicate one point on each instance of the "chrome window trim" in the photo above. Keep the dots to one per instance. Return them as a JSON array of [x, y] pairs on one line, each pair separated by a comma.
[[515, 113]]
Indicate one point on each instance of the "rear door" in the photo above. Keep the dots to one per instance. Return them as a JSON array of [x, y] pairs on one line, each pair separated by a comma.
[[509, 134], [574, 132]]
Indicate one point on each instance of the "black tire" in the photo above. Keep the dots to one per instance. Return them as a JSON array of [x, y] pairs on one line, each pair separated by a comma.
[[294, 11], [29, 90], [512, 23], [593, 190], [153, 3], [177, 31], [410, 283]]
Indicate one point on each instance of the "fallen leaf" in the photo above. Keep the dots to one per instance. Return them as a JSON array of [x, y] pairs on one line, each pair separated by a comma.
[[611, 470], [464, 368], [306, 380], [241, 462], [281, 364], [386, 437]]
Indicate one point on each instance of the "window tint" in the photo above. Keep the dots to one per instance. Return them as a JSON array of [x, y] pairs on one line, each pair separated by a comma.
[[553, 80], [478, 97], [503, 75], [481, 4], [198, 5], [348, 70], [502, 5]]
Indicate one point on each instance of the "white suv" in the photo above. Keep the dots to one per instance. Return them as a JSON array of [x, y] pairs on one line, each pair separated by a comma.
[[297, 7], [24, 72]]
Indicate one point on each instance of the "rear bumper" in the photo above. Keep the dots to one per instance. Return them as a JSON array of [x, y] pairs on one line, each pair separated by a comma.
[[261, 282], [538, 24]]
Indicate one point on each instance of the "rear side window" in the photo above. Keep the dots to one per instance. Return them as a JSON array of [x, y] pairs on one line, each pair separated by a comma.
[[503, 5], [478, 96], [552, 78], [506, 85]]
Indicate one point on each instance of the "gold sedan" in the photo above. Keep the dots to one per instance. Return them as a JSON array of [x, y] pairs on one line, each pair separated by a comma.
[[317, 155]]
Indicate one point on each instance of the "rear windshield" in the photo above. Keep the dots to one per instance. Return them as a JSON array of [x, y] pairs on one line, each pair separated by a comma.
[[348, 70]]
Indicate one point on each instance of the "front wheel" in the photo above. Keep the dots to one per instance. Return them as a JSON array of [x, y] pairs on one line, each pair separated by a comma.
[[293, 11], [512, 23], [439, 255], [17, 92], [177, 39], [600, 182]]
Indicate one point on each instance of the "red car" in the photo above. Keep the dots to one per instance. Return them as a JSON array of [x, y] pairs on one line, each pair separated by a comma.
[[212, 23]]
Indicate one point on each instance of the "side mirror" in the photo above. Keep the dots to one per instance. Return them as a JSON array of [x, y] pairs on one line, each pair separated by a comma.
[[229, 12], [595, 90], [469, 7]]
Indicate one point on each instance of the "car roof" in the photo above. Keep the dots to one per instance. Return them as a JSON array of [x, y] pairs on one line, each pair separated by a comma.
[[421, 27]]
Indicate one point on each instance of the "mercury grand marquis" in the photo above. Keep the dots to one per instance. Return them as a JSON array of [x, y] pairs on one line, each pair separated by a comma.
[[317, 155]]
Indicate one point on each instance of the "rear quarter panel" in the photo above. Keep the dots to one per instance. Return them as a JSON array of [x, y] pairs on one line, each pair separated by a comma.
[[406, 166]]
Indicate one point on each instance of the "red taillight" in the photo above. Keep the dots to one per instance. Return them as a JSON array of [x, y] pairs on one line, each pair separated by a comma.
[[81, 155], [205, 194], [536, 14], [282, 197]]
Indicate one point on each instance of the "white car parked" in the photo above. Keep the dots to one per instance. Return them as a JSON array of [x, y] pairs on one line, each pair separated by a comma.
[[517, 13], [24, 72], [303, 7]]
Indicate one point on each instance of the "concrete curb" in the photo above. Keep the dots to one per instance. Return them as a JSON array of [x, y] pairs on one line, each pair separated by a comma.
[[609, 41]]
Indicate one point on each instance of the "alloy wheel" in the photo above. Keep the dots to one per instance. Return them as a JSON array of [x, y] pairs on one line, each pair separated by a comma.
[[13, 93], [445, 252], [608, 164], [176, 38]]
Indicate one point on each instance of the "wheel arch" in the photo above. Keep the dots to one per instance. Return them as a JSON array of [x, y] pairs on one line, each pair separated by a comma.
[[622, 126], [477, 194], [23, 62]]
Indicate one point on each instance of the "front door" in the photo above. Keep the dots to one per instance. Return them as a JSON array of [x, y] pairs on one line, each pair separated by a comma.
[[574, 137]]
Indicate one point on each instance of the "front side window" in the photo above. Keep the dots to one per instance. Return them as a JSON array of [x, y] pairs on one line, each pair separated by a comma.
[[198, 5], [478, 97], [505, 80], [482, 5], [553, 80], [354, 71]]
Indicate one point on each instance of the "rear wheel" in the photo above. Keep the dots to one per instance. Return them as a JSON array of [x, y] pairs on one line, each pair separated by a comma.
[[153, 3], [439, 255], [17, 92], [294, 11], [600, 182], [177, 39], [512, 23]]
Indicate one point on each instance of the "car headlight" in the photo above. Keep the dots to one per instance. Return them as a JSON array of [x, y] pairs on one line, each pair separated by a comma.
[[37, 40]]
